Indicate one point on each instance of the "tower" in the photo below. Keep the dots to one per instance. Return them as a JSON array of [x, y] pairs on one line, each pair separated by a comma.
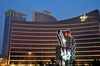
[[10, 15], [45, 16]]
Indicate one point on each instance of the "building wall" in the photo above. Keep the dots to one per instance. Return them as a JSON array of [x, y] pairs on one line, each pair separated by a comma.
[[10, 15], [43, 17], [39, 38]]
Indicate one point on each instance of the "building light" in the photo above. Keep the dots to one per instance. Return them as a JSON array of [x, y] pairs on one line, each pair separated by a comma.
[[29, 53], [64, 40], [67, 34], [83, 18], [1, 59], [12, 65]]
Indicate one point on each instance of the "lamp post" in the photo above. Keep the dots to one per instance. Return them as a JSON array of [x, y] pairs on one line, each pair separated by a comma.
[[29, 53]]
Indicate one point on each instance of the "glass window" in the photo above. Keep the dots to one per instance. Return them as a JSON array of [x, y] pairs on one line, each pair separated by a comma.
[[16, 14], [24, 17], [8, 14], [13, 14], [20, 15]]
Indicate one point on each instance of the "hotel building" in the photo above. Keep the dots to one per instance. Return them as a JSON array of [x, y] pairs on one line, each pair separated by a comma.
[[10, 15], [45, 16], [32, 42]]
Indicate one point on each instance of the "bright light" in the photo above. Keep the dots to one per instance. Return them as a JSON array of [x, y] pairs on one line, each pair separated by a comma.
[[83, 18], [64, 40], [1, 58], [65, 54], [67, 34], [68, 55], [12, 65], [29, 53], [30, 64]]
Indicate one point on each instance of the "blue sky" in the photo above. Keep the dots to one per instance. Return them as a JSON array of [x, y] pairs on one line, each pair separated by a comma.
[[61, 9]]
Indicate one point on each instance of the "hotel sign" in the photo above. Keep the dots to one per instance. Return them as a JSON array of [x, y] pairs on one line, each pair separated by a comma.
[[84, 17]]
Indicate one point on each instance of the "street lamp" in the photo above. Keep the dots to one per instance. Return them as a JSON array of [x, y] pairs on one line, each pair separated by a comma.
[[29, 53]]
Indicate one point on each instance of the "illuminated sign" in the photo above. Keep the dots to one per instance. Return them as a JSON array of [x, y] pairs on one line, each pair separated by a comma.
[[83, 18], [67, 45], [64, 40], [66, 55], [68, 34], [63, 54]]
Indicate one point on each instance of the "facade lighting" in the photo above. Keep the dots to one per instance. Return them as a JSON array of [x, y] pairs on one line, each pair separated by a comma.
[[83, 18]]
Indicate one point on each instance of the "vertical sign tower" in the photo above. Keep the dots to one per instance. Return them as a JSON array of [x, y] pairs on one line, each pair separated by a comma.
[[67, 45]]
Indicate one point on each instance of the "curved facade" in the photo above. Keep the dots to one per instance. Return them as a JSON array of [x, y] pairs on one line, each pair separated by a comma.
[[39, 38], [45, 16]]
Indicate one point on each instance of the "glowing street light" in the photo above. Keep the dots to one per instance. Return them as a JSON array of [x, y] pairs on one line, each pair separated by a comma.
[[29, 53]]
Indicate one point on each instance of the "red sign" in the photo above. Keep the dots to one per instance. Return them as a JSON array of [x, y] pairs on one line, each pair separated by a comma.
[[67, 34]]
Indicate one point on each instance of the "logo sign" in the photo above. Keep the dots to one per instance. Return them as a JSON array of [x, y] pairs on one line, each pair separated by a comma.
[[66, 55], [67, 34], [83, 18]]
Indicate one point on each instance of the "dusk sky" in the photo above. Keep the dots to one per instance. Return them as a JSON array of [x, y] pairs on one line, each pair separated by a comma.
[[61, 9]]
